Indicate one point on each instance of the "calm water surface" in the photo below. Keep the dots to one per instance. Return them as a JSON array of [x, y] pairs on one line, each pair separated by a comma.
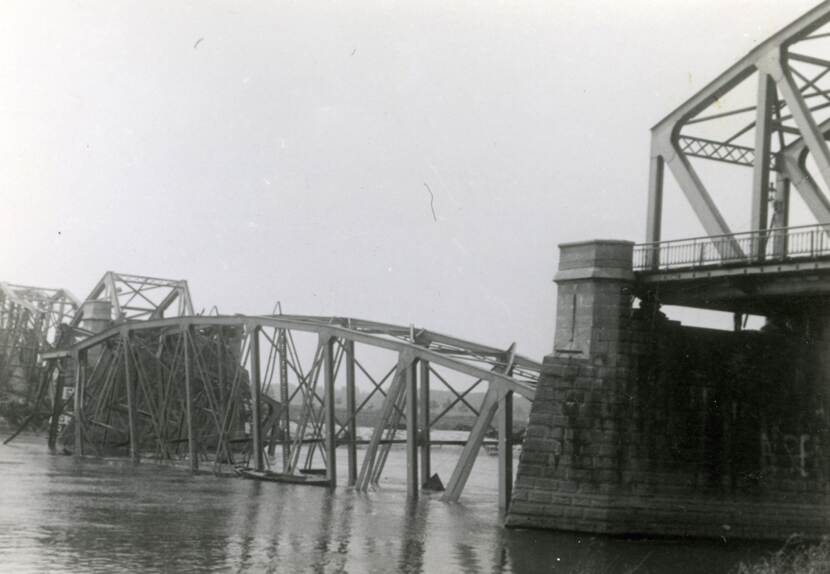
[[58, 514]]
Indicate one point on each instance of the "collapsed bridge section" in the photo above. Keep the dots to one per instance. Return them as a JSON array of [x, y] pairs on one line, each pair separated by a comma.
[[132, 371], [35, 320], [32, 321], [219, 391]]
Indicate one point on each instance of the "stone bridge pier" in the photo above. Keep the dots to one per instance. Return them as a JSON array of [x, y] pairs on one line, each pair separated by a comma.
[[644, 426]]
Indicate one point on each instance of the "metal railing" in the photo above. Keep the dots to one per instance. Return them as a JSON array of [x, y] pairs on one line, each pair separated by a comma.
[[749, 248]]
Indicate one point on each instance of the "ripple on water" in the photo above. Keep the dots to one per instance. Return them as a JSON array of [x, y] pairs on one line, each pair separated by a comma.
[[65, 515]]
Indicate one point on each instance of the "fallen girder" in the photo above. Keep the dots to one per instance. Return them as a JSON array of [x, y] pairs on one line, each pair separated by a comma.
[[197, 388]]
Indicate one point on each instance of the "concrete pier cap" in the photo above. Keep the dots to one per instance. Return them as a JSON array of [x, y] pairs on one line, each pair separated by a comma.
[[596, 259], [594, 282]]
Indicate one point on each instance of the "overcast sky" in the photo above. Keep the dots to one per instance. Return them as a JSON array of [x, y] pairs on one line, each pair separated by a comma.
[[282, 150]]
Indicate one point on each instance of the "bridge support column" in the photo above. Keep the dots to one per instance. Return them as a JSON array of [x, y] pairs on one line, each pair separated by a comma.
[[426, 461], [192, 453], [767, 103], [351, 412], [505, 424], [285, 399], [57, 404], [80, 382], [654, 216], [129, 383], [256, 430], [412, 431], [571, 453], [328, 397]]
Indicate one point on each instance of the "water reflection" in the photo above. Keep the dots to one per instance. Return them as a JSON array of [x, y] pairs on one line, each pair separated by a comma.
[[413, 529], [62, 515], [323, 538], [465, 555], [344, 534], [499, 558], [247, 536], [94, 514]]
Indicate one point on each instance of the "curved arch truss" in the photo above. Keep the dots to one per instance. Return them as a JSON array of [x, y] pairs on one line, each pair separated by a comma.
[[280, 393]]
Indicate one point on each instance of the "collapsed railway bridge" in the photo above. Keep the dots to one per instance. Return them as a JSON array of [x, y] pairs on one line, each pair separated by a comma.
[[136, 373], [638, 425]]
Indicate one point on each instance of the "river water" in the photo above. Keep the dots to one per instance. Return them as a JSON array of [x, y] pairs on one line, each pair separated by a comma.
[[61, 514]]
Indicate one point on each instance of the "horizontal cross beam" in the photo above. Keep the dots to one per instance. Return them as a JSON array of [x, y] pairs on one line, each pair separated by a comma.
[[719, 151]]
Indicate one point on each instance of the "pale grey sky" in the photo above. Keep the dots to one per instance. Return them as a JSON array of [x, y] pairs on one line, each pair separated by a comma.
[[279, 150]]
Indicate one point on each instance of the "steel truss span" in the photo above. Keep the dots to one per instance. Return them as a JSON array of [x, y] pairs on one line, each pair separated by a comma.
[[770, 112], [125, 297], [280, 393], [35, 320], [32, 321]]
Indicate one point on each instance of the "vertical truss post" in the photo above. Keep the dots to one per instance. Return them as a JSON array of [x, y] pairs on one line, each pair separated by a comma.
[[412, 431], [57, 407], [80, 383], [188, 396], [351, 412], [256, 430], [327, 341], [767, 102], [426, 462], [505, 424], [654, 217], [131, 398], [285, 400], [781, 216], [464, 467]]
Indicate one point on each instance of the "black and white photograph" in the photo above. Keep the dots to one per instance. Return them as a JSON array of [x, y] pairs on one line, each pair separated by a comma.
[[418, 287]]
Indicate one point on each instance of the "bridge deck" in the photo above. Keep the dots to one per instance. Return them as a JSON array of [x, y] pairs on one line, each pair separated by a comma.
[[752, 272]]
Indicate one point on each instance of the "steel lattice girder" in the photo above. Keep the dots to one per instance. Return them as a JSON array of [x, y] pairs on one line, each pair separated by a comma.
[[30, 323], [438, 355], [139, 297], [149, 385], [773, 62], [155, 386], [34, 320]]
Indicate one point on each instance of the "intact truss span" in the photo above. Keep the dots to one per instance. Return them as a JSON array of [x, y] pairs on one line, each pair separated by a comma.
[[770, 112]]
